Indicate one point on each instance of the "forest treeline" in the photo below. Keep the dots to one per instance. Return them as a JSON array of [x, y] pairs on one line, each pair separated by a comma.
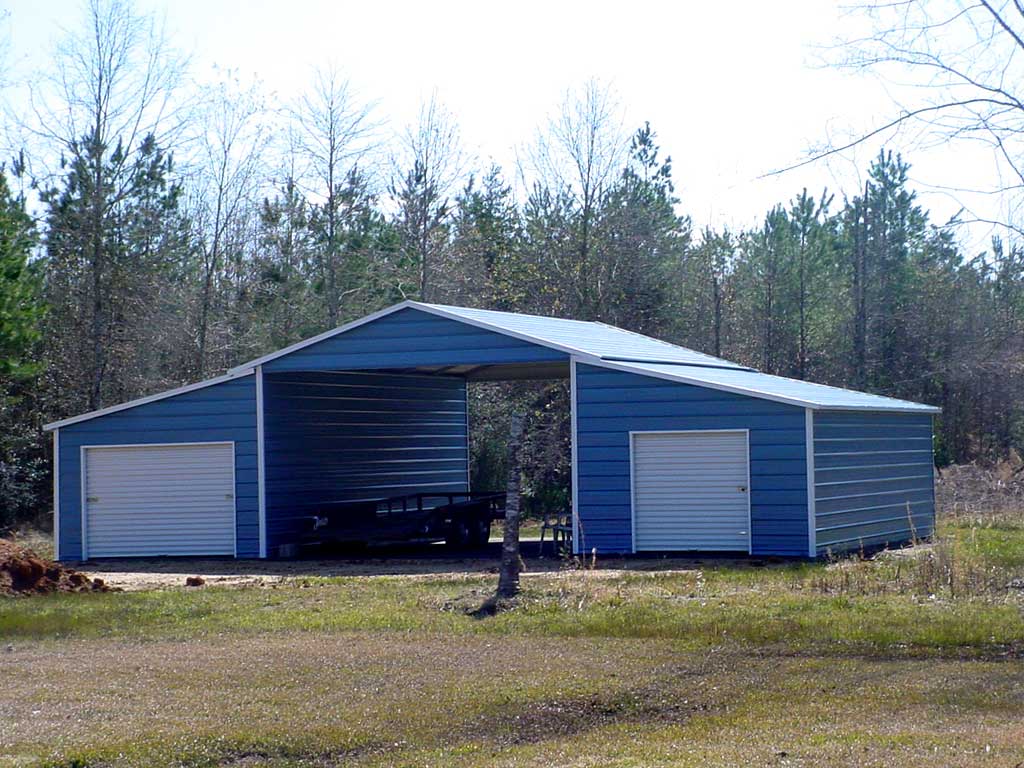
[[148, 240]]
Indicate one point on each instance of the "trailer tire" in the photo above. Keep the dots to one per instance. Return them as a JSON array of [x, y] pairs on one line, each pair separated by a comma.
[[479, 533], [457, 536]]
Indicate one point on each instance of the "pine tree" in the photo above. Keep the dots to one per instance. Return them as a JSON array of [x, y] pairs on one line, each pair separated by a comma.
[[638, 240], [115, 240], [23, 464], [20, 308], [484, 265]]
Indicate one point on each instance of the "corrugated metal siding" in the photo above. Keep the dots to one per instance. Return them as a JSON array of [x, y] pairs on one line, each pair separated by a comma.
[[334, 437], [613, 403], [222, 412], [869, 468], [690, 491], [411, 338], [160, 500]]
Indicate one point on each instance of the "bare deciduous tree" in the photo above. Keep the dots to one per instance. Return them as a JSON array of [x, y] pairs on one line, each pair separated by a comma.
[[427, 171], [333, 130], [961, 65], [110, 94], [580, 153], [115, 80], [232, 140]]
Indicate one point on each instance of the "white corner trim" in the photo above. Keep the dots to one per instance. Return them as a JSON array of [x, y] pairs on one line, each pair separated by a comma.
[[261, 463], [149, 399], [812, 535], [573, 445], [56, 494]]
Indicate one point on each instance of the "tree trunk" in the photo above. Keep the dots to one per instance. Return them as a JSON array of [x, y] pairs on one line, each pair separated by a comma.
[[98, 326], [801, 362], [508, 578], [860, 305]]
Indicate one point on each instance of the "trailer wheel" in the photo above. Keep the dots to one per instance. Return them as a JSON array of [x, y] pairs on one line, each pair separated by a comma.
[[479, 532], [458, 534]]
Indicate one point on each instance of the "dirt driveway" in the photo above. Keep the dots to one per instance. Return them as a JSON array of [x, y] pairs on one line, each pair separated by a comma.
[[413, 561]]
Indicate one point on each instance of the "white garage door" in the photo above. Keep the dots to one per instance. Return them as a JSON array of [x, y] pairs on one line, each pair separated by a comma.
[[690, 491], [146, 500]]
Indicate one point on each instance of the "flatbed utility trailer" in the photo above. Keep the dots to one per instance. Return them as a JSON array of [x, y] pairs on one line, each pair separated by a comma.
[[461, 520]]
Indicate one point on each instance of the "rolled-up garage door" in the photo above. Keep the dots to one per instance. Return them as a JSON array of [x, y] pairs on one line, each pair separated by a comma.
[[690, 491], [146, 500]]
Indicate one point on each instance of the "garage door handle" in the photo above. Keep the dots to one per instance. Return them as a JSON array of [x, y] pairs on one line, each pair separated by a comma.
[[742, 489], [229, 495], [92, 498]]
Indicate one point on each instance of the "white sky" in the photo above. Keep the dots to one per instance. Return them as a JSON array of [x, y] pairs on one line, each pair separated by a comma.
[[731, 88]]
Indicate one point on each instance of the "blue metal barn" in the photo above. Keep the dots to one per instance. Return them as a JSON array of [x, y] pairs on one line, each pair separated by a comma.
[[672, 450]]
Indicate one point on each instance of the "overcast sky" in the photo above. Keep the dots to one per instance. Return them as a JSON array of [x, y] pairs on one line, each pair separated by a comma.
[[733, 89]]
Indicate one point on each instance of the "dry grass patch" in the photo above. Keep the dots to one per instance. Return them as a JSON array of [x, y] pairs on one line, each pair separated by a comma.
[[421, 699]]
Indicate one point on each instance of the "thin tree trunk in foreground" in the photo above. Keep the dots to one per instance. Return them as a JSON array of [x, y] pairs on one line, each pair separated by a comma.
[[508, 578]]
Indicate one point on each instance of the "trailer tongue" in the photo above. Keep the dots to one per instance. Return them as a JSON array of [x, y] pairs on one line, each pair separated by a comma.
[[461, 520]]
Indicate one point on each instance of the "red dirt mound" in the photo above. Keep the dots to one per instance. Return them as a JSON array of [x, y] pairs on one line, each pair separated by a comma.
[[22, 572]]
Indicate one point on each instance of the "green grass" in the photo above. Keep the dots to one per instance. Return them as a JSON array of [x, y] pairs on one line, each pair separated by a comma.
[[415, 699], [905, 659], [632, 606], [575, 604], [998, 546]]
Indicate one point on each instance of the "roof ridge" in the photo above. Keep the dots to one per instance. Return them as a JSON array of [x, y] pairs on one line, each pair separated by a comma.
[[666, 343], [656, 340], [514, 314], [730, 366]]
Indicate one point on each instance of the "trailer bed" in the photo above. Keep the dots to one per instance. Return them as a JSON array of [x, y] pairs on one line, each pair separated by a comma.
[[460, 519]]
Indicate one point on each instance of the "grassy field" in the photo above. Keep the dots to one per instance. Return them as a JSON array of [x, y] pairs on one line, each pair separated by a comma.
[[911, 658]]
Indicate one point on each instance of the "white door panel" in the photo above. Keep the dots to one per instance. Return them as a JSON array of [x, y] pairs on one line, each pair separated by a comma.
[[690, 491], [146, 500]]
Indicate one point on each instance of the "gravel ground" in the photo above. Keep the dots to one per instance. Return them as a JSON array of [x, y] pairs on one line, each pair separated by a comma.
[[410, 560]]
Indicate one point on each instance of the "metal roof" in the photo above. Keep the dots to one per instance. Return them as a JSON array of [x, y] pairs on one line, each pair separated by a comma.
[[596, 344], [598, 339], [793, 391]]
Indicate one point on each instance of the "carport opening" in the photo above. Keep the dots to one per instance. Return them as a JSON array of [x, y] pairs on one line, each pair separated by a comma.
[[368, 458]]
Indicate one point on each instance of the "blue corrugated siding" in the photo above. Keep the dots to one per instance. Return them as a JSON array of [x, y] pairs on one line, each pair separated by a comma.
[[333, 437], [873, 478], [217, 413], [610, 404], [410, 338]]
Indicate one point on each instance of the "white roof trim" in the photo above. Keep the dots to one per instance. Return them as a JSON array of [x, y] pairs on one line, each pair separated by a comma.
[[430, 309], [751, 392], [232, 374]]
